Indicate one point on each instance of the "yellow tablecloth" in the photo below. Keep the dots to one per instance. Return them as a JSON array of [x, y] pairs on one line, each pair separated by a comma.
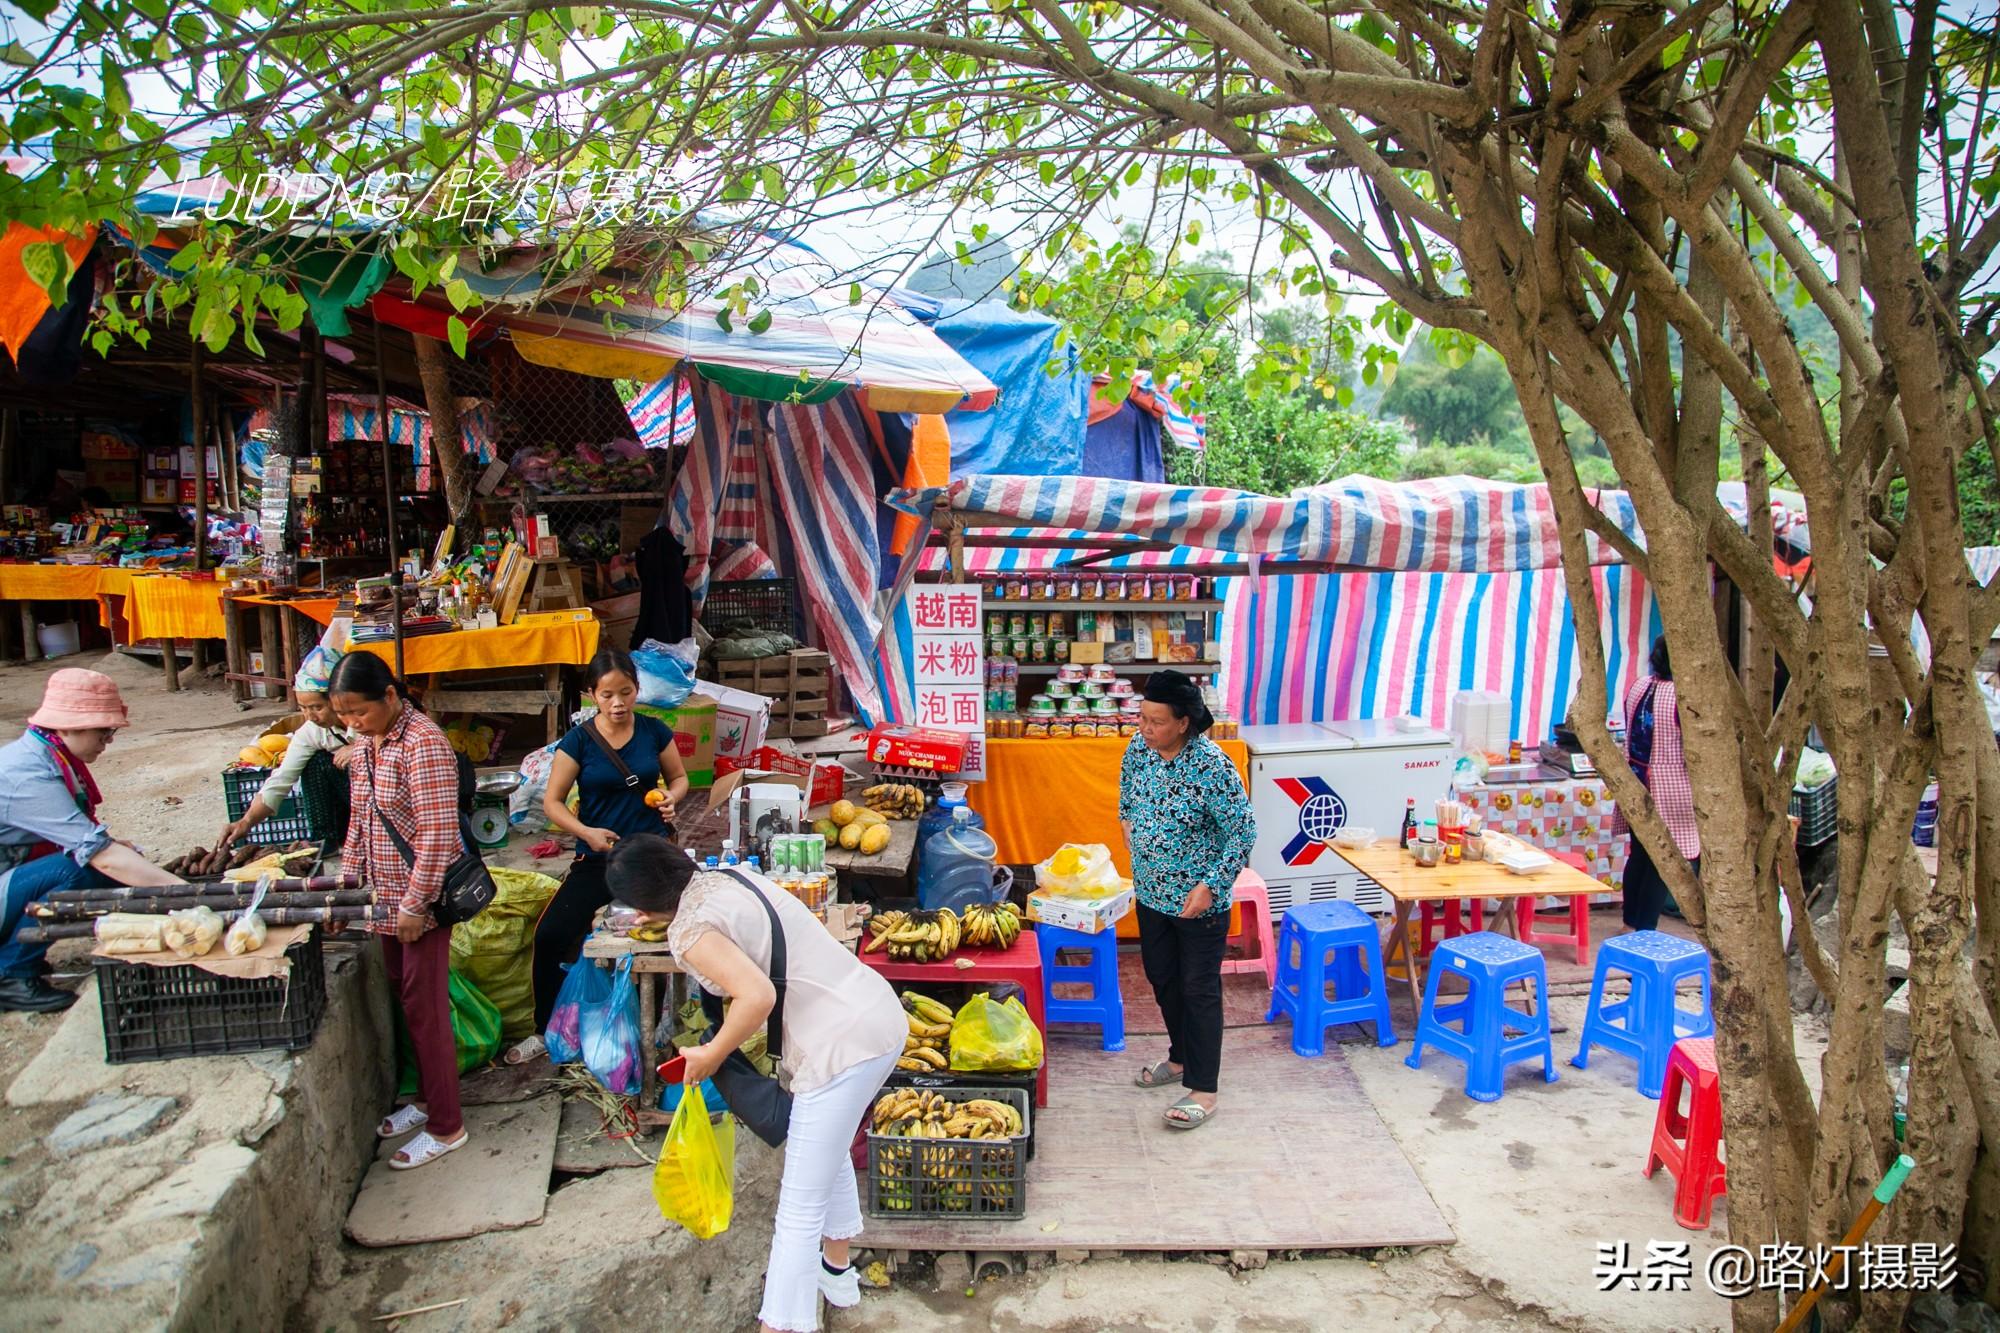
[[49, 583], [1040, 794], [556, 637], [172, 606]]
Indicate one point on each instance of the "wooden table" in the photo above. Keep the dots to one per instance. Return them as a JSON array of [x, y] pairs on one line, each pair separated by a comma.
[[1392, 867], [650, 962], [1020, 963], [892, 862]]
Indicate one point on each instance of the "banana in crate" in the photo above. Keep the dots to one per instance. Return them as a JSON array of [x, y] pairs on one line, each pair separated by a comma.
[[925, 1049]]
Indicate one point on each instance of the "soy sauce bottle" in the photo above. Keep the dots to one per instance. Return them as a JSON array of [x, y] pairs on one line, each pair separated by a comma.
[[1409, 821]]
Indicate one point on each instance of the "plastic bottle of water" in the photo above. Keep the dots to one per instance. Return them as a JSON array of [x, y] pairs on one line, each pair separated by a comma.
[[713, 864], [728, 851], [957, 866]]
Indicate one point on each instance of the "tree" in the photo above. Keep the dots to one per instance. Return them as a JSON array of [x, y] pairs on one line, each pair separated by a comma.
[[1575, 187], [1455, 404], [1272, 443]]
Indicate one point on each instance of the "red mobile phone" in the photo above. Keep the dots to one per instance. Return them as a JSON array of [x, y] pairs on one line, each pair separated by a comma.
[[674, 1070]]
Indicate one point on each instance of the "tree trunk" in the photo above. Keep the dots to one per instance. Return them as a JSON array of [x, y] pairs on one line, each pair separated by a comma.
[[434, 365]]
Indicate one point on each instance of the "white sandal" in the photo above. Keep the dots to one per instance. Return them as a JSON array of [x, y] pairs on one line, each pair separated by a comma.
[[401, 1121], [525, 1050], [423, 1150]]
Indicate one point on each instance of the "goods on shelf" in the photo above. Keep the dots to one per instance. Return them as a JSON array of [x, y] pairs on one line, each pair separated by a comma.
[[797, 682], [620, 467]]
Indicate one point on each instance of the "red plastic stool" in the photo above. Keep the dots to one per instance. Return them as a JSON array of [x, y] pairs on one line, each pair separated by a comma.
[[1253, 900], [1448, 911], [1689, 1143], [1578, 931]]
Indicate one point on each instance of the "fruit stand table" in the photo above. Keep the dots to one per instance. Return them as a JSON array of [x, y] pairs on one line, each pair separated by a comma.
[[1021, 964], [1391, 866], [891, 863], [650, 962]]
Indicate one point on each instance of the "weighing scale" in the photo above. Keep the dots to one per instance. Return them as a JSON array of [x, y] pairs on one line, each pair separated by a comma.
[[490, 820]]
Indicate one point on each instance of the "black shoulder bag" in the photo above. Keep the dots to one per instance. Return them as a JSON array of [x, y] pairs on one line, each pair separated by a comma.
[[755, 1098], [468, 884], [623, 769]]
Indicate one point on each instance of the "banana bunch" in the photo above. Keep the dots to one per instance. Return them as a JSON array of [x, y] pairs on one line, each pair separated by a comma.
[[924, 1047], [651, 933], [912, 1113], [918, 937], [896, 800], [994, 925]]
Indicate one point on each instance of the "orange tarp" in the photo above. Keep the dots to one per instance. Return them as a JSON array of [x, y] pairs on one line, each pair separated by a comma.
[[22, 303]]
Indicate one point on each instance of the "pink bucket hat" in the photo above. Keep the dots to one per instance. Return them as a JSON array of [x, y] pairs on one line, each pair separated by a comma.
[[78, 700]]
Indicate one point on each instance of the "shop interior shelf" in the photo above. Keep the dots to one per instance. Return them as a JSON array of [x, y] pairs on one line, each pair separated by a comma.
[[1192, 668], [1160, 607]]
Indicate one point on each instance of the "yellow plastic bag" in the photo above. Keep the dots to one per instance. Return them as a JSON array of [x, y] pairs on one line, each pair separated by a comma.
[[695, 1181], [987, 1037], [1083, 871]]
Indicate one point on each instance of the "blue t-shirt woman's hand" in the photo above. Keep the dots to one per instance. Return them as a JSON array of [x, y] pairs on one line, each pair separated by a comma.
[[599, 840]]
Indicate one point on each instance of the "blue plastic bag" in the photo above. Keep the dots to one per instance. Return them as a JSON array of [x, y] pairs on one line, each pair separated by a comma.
[[611, 1047], [666, 674], [585, 988]]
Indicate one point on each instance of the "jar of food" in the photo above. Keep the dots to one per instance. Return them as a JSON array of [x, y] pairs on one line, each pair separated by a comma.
[[1021, 652], [1065, 588], [1038, 625], [1128, 727], [1081, 728], [1017, 589], [1102, 674], [1060, 730], [1114, 587], [1059, 650], [1071, 674], [1120, 689], [1038, 587], [1090, 588], [1089, 689], [1038, 650], [1184, 587], [1042, 705], [1058, 624], [1061, 689], [1139, 588], [996, 624], [1035, 729], [1105, 708]]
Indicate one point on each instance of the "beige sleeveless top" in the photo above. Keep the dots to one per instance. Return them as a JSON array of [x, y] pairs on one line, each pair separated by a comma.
[[839, 1011]]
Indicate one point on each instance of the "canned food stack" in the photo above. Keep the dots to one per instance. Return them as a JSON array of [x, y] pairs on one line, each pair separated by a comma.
[[798, 866]]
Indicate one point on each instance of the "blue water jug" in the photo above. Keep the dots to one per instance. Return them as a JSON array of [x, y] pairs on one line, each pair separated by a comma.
[[951, 797], [957, 866]]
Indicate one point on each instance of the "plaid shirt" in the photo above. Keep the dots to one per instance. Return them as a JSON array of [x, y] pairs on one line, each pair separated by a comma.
[[1673, 793], [416, 777]]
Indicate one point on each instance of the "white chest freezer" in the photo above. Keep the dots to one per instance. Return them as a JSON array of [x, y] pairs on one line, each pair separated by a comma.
[[1310, 780]]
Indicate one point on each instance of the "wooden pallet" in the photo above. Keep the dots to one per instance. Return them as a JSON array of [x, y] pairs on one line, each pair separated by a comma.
[[799, 685]]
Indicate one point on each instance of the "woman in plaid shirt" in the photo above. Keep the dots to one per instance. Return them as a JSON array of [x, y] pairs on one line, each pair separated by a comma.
[[1653, 748], [406, 774]]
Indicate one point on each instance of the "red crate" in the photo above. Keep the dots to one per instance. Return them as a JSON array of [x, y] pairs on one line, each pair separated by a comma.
[[828, 779]]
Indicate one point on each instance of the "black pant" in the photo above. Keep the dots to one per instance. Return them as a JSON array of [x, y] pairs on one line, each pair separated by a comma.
[[560, 934], [1645, 890], [1183, 959]]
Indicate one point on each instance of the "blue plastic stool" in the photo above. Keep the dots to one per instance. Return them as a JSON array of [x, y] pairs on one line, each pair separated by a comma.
[[1489, 963], [1311, 935], [1646, 1024], [1106, 1005]]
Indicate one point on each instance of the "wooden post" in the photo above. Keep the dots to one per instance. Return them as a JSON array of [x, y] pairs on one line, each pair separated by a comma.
[[31, 647], [288, 643], [233, 656], [169, 664], [269, 620], [446, 438]]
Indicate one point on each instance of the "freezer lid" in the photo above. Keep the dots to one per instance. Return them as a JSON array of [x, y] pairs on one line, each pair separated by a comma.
[[1379, 733], [1270, 739]]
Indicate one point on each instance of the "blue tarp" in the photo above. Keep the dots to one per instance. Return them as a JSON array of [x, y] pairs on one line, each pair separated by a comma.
[[1124, 446], [1036, 428]]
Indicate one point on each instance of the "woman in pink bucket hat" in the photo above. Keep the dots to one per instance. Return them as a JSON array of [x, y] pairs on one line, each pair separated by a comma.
[[50, 837]]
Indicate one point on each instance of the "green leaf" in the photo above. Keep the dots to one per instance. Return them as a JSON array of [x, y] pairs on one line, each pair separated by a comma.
[[37, 9], [458, 293], [455, 331], [723, 322], [217, 327], [854, 293], [760, 321], [16, 54], [48, 266]]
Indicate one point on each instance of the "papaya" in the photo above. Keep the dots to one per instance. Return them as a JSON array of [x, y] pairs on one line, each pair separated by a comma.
[[850, 836], [254, 756], [869, 818], [827, 829], [843, 813], [873, 839], [274, 745]]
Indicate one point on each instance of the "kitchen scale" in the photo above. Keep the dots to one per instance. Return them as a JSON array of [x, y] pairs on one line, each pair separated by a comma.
[[489, 818]]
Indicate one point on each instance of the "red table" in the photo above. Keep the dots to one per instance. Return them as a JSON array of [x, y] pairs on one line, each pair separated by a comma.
[[1021, 964]]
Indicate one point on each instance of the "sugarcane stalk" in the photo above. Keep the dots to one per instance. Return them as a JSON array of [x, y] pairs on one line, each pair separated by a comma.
[[281, 916], [125, 892], [220, 902]]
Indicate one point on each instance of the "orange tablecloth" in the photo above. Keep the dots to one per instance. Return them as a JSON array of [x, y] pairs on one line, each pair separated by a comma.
[[556, 637], [172, 606], [1040, 794], [49, 583], [319, 609]]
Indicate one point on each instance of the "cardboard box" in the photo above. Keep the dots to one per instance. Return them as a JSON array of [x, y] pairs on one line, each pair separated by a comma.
[[742, 719], [693, 724], [1086, 654], [1086, 915], [923, 748]]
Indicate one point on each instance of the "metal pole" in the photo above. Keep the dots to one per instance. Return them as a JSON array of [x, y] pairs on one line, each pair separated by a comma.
[[200, 459], [396, 614], [388, 468]]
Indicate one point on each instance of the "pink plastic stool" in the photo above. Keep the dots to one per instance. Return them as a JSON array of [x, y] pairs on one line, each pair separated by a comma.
[[1578, 929], [1254, 900], [1448, 912]]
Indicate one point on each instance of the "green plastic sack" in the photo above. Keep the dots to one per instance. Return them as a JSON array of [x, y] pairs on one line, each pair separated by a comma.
[[988, 1037], [695, 1180], [496, 949], [475, 1029]]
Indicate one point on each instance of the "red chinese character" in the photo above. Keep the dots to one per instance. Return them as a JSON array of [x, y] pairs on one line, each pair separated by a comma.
[[930, 659], [965, 658], [965, 710], [964, 611], [929, 611], [933, 710]]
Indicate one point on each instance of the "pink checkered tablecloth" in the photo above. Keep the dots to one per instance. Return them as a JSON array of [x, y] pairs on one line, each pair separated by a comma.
[[1557, 815]]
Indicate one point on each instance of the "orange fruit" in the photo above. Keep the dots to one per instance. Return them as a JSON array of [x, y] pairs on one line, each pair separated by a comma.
[[656, 798]]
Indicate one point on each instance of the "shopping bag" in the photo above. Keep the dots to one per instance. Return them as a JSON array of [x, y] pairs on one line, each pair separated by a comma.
[[496, 949], [583, 989], [695, 1181], [1080, 871], [610, 1030], [475, 1030], [989, 1037]]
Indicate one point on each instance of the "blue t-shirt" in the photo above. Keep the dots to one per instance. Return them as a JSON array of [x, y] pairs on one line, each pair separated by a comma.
[[602, 798]]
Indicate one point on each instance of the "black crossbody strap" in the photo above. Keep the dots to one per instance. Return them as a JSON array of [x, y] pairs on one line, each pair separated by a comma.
[[624, 770], [774, 1029]]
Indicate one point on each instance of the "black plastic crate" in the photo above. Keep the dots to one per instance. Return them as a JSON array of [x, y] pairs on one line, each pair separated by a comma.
[[304, 818], [168, 1013], [959, 1087], [983, 1178], [766, 603], [1818, 812]]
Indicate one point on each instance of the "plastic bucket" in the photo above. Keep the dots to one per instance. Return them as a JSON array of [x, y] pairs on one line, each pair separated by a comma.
[[59, 640]]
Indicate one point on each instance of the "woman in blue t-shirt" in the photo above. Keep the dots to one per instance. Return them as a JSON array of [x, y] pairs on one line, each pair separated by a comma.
[[611, 803]]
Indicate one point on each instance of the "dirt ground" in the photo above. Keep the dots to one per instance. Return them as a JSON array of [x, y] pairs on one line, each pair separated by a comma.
[[1531, 1184]]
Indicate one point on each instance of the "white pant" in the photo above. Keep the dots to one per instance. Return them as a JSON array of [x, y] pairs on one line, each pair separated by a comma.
[[817, 1197]]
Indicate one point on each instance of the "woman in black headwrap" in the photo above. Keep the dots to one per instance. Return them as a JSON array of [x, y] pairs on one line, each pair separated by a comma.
[[1188, 824]]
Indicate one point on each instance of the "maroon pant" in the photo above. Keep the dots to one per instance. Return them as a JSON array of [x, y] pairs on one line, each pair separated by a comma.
[[421, 974]]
